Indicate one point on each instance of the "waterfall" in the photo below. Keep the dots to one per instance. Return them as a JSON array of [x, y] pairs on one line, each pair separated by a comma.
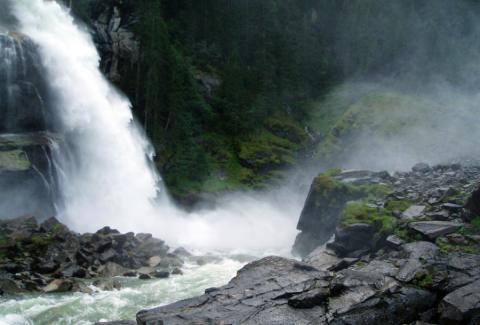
[[107, 174], [104, 160]]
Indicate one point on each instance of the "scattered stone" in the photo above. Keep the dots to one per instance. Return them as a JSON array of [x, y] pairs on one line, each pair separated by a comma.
[[394, 241], [461, 306], [413, 212], [177, 271], [442, 215], [452, 207], [434, 229], [457, 239]]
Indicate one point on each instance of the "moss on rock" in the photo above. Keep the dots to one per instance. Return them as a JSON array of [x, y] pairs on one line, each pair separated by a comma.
[[14, 160]]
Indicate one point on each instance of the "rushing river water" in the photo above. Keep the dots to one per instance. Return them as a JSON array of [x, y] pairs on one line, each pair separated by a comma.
[[83, 309]]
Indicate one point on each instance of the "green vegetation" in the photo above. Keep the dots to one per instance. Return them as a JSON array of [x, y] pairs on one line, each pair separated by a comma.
[[424, 280], [361, 212], [447, 247], [398, 205], [229, 90], [14, 160], [476, 223]]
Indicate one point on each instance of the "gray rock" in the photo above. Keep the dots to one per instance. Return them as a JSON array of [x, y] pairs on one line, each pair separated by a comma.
[[421, 168], [154, 261], [159, 274], [352, 238], [322, 259], [414, 211], [421, 249], [9, 286], [107, 284], [452, 207], [434, 229], [409, 270], [143, 276], [259, 294], [461, 306], [394, 241], [59, 285], [111, 269]]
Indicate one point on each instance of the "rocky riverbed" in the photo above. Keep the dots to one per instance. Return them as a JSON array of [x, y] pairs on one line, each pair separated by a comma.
[[405, 251]]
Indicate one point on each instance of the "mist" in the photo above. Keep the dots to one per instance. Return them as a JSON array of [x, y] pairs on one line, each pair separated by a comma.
[[411, 81], [417, 70], [104, 161]]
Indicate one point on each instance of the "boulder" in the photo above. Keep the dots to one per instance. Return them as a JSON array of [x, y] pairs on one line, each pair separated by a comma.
[[353, 238], [111, 269], [9, 286], [154, 261], [160, 274], [434, 229], [421, 250], [107, 284], [321, 212], [473, 203], [414, 211], [461, 306], [394, 241], [59, 285]]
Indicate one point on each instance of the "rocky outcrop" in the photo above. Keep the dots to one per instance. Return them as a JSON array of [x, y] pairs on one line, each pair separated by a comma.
[[277, 290], [112, 23], [380, 268], [321, 212], [425, 202], [48, 257]]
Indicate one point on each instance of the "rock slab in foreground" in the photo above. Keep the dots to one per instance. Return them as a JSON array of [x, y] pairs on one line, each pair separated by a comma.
[[276, 290]]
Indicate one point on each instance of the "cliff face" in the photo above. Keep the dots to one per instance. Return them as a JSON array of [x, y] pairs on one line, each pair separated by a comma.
[[27, 175]]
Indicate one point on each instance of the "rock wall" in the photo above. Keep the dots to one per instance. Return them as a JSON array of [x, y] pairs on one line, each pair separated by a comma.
[[27, 174]]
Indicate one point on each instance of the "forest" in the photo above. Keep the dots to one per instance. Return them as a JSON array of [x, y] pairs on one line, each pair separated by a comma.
[[224, 89]]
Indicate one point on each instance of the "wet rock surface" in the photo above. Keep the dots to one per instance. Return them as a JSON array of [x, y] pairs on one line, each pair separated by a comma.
[[26, 125], [414, 270], [50, 258]]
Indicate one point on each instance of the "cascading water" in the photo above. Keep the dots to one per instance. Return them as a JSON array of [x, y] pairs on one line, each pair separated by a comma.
[[104, 169], [106, 178], [107, 173]]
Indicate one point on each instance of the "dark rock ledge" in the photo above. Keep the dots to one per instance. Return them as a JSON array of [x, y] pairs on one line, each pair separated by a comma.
[[49, 257], [405, 251]]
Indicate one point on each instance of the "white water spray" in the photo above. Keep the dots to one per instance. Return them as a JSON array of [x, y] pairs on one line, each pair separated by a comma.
[[108, 181]]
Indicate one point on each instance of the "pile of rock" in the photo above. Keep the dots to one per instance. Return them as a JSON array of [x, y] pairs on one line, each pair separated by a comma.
[[428, 201], [49, 257]]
